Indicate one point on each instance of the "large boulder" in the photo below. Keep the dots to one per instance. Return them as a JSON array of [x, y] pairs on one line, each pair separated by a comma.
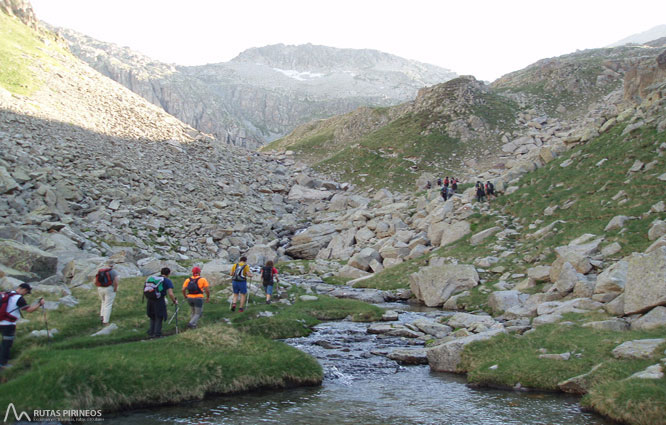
[[82, 271], [471, 321], [657, 229], [613, 279], [259, 254], [501, 301], [363, 259], [341, 244], [646, 281], [307, 244], [455, 231], [305, 194], [446, 357], [26, 258], [349, 272], [477, 238], [638, 348], [578, 255], [217, 272], [656, 318], [435, 284], [153, 265]]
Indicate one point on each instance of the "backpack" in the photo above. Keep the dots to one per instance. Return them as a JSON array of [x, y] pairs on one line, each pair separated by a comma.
[[103, 278], [267, 275], [4, 305], [153, 287], [193, 286], [238, 273]]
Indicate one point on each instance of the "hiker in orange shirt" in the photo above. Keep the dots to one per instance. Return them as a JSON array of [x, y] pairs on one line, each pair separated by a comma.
[[193, 291]]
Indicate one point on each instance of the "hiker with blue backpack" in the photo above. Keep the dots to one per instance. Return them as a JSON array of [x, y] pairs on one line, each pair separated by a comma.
[[239, 274], [156, 289], [194, 288]]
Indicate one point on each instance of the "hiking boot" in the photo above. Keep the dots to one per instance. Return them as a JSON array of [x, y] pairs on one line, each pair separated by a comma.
[[233, 307], [268, 301], [240, 310]]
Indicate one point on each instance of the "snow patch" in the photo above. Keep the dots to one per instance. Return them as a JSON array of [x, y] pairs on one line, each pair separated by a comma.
[[299, 75]]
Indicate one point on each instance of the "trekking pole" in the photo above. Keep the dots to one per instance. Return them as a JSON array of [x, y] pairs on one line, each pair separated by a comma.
[[46, 323], [175, 315], [249, 287]]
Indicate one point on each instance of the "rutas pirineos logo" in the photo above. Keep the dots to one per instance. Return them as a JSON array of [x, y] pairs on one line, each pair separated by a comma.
[[17, 416], [74, 415]]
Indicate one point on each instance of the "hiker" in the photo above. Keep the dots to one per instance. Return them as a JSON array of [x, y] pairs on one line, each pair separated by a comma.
[[193, 291], [444, 192], [446, 181], [454, 185], [480, 192], [156, 290], [439, 181], [428, 185], [490, 189], [11, 305], [239, 274], [269, 275], [106, 281]]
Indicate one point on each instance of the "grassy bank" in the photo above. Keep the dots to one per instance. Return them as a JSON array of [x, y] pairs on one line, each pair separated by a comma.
[[635, 401], [230, 352]]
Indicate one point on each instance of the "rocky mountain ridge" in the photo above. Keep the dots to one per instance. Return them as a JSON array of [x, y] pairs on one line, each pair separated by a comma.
[[483, 125], [264, 92]]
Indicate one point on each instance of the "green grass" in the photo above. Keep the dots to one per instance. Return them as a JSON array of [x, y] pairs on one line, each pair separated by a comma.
[[592, 188], [378, 159], [20, 51], [517, 361], [232, 351]]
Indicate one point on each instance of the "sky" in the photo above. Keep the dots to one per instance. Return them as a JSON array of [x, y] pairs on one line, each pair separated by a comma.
[[486, 39]]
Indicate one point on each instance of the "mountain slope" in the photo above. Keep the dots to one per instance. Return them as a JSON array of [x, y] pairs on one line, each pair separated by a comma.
[[652, 34], [439, 130], [264, 92], [86, 163], [466, 128]]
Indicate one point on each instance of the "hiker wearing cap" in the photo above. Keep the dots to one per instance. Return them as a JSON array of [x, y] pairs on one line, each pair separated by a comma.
[[193, 291], [239, 274], [11, 305], [156, 290], [106, 281]]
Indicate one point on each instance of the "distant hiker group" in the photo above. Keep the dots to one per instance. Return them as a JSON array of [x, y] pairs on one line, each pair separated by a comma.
[[484, 192], [449, 187]]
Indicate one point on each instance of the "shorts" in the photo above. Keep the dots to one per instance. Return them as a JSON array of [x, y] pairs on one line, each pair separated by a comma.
[[239, 286], [268, 289]]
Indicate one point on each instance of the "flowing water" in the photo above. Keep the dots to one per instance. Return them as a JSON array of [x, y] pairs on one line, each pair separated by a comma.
[[362, 388]]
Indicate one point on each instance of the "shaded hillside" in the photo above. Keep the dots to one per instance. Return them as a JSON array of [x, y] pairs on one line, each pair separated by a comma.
[[264, 92], [86, 163]]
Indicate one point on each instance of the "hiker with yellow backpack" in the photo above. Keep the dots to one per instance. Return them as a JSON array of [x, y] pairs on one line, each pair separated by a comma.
[[193, 291], [239, 274]]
